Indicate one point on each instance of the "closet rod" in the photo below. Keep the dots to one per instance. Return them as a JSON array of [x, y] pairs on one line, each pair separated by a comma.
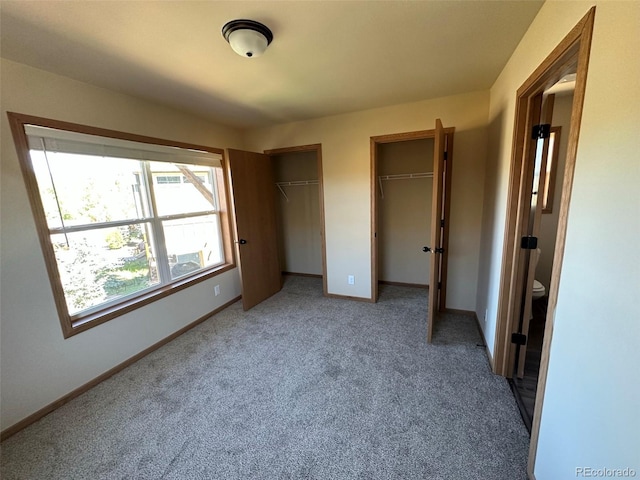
[[294, 184], [402, 176]]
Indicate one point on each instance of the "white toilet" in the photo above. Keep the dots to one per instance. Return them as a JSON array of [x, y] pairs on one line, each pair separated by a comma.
[[538, 290]]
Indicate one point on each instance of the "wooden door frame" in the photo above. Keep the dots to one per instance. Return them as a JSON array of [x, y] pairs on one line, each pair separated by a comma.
[[571, 53], [403, 137], [316, 147]]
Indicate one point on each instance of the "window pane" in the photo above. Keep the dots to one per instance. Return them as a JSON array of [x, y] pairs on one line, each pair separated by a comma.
[[183, 188], [124, 217], [193, 243], [46, 188], [105, 264], [89, 189], [547, 179]]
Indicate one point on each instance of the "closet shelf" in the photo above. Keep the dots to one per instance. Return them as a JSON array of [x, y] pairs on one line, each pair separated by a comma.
[[297, 183], [402, 176]]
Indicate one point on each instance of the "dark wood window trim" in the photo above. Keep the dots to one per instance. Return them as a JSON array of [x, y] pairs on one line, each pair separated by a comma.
[[72, 325]]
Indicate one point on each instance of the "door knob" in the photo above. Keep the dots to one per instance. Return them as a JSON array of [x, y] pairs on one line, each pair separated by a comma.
[[242, 241], [434, 250]]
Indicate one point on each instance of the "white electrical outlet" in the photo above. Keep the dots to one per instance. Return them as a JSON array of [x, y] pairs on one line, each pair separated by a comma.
[[216, 290], [351, 280]]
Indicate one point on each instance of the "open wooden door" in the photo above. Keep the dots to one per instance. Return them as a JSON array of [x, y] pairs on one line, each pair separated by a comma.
[[254, 192], [437, 226], [535, 217]]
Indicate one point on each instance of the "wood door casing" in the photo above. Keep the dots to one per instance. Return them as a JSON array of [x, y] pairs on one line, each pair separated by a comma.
[[446, 215], [254, 192]]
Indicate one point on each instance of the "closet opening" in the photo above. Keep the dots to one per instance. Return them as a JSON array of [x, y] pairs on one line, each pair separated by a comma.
[[297, 175], [410, 203], [405, 188]]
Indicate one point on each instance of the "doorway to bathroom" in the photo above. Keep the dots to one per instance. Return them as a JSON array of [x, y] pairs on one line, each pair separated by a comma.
[[525, 202], [548, 175]]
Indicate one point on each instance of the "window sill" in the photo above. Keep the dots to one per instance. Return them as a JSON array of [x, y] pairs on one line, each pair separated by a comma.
[[81, 323]]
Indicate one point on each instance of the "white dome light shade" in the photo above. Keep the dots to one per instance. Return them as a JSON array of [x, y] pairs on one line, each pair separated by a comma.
[[248, 43], [247, 38]]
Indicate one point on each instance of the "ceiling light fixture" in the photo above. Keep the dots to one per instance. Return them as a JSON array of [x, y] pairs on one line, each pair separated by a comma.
[[247, 38]]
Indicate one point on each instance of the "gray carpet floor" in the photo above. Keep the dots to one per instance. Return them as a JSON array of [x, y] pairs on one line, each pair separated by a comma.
[[300, 387]]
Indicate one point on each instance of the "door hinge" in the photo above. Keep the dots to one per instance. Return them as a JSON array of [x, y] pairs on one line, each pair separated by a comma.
[[442, 223], [518, 339], [446, 155], [541, 131], [439, 285], [529, 243]]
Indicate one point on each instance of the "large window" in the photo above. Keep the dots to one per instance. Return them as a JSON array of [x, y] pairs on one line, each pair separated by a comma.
[[122, 221]]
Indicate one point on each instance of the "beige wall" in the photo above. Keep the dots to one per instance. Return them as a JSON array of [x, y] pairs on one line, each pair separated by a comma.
[[590, 409], [347, 189], [404, 213], [549, 221], [38, 365], [299, 229]]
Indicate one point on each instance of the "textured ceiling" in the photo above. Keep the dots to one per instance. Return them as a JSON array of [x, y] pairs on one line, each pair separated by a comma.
[[327, 57]]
